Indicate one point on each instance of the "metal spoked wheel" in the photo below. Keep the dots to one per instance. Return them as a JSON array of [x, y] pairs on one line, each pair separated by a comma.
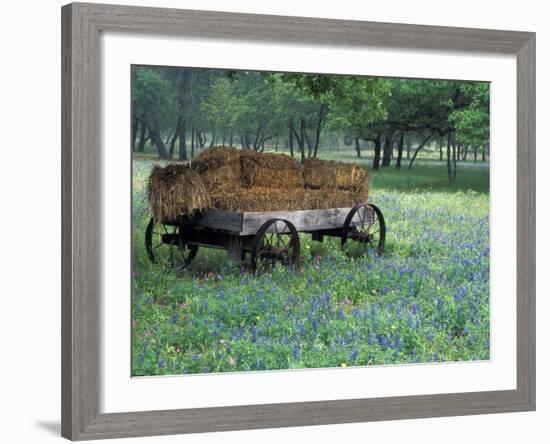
[[165, 245], [364, 231], [276, 241]]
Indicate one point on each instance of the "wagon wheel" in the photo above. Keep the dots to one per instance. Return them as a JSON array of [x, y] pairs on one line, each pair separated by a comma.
[[165, 245], [364, 230], [276, 241]]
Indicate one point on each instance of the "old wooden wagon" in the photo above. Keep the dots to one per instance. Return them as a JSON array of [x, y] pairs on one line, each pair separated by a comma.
[[263, 239]]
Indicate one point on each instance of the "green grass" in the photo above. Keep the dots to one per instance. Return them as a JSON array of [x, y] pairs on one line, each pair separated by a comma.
[[425, 300]]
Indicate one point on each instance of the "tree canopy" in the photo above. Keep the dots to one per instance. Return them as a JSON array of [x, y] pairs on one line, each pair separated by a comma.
[[251, 109]]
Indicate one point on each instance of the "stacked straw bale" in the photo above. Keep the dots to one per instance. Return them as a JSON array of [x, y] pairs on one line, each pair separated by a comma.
[[228, 179], [218, 166], [320, 173], [270, 170], [176, 190], [271, 199]]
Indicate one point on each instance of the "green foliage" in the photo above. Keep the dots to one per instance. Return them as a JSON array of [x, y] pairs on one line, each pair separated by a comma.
[[416, 105], [356, 103], [154, 96], [472, 121], [220, 107], [259, 106]]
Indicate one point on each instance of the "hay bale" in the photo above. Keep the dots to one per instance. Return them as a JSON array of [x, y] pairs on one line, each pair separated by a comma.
[[176, 190], [245, 180], [270, 170], [215, 157], [218, 166], [217, 177], [257, 199], [274, 199], [333, 198], [320, 174], [221, 166]]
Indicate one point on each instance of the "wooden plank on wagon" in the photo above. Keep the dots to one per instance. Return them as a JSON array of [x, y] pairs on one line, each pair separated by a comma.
[[229, 221], [304, 220]]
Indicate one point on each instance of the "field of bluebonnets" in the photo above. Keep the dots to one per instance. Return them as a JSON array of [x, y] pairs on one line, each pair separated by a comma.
[[425, 300]]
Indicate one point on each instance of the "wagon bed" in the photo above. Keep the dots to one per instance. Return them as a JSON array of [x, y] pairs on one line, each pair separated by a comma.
[[248, 223], [267, 236]]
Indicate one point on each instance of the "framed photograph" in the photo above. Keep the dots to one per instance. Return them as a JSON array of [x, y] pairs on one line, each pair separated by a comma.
[[277, 221]]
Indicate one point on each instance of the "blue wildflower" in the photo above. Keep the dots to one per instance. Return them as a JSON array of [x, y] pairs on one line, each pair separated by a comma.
[[296, 351], [353, 354]]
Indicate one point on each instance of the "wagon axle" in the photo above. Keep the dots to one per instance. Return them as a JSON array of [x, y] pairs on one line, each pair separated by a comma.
[[360, 237], [275, 253], [170, 239]]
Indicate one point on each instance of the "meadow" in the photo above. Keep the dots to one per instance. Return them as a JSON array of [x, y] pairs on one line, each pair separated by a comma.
[[425, 300]]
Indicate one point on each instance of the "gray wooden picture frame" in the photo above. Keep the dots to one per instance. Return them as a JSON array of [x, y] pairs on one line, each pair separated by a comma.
[[81, 172]]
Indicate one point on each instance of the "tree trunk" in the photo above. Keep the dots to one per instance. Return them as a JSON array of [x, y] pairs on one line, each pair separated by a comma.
[[409, 146], [258, 138], [182, 133], [308, 142], [159, 143], [483, 154], [193, 141], [301, 140], [156, 139], [173, 140], [424, 142], [388, 146], [377, 146], [290, 138], [454, 160], [142, 138], [134, 133], [231, 137], [322, 110], [213, 139], [357, 147], [449, 174], [400, 150]]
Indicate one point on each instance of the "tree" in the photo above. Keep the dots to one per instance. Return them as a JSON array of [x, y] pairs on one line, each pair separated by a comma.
[[153, 104], [472, 121], [218, 108], [356, 105]]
